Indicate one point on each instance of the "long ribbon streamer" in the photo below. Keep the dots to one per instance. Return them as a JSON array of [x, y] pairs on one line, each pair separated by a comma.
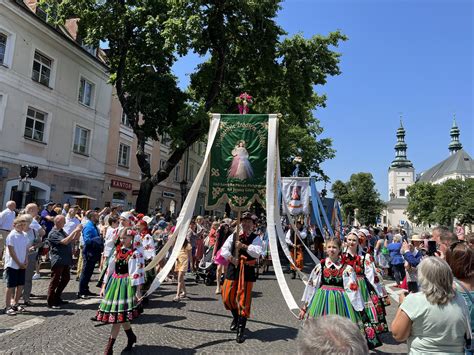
[[186, 212], [272, 211]]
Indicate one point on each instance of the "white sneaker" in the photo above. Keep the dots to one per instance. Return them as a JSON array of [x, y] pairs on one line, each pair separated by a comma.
[[36, 276]]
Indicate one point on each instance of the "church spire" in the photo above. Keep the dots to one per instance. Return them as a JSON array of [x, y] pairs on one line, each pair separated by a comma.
[[455, 144], [401, 160]]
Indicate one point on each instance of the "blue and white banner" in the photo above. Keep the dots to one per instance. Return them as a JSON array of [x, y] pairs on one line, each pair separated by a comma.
[[295, 195]]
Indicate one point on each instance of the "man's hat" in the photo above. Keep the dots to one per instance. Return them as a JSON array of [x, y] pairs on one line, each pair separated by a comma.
[[248, 215], [416, 238]]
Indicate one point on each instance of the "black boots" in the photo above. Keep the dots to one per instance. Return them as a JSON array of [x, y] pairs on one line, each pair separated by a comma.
[[132, 339], [235, 320], [241, 329], [109, 350]]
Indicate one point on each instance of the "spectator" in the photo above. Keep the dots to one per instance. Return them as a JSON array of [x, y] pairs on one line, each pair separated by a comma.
[[330, 335], [460, 259], [61, 259], [192, 238], [443, 238], [15, 265], [413, 253], [181, 266], [422, 317], [32, 210], [222, 234], [460, 231], [34, 241], [381, 254], [93, 246], [65, 209], [71, 221], [6, 224], [47, 222], [396, 259]]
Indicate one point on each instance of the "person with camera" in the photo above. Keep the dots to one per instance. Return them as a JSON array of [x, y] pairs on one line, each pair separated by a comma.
[[413, 253], [433, 320]]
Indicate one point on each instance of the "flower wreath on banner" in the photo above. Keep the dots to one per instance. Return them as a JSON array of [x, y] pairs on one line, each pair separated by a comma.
[[244, 102]]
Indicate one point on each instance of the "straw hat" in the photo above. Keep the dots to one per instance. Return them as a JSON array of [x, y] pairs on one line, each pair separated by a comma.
[[416, 238]]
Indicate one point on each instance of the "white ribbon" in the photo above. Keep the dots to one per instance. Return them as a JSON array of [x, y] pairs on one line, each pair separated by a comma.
[[185, 214], [272, 211]]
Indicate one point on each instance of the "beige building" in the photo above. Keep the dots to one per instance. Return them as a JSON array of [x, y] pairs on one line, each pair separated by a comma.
[[122, 173], [54, 108]]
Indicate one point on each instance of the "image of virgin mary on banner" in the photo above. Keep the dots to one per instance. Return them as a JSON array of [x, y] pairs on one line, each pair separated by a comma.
[[295, 193], [238, 162]]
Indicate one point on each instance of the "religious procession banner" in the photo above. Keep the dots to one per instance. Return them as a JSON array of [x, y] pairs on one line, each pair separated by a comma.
[[295, 194], [238, 162]]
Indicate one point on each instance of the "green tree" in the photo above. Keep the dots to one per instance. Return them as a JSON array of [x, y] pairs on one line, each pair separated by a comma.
[[359, 197], [421, 203], [453, 201], [466, 207], [340, 191], [242, 49]]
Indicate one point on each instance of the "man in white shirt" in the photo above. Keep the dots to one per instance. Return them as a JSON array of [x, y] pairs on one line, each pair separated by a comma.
[[237, 295], [296, 246], [32, 209], [6, 224], [71, 220]]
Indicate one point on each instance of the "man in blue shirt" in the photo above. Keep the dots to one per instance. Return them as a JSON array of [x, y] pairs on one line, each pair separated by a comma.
[[93, 246]]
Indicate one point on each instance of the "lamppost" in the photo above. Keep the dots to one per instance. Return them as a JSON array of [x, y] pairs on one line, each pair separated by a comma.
[[24, 185], [183, 187]]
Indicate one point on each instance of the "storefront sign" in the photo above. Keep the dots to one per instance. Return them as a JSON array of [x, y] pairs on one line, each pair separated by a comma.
[[121, 184], [168, 194]]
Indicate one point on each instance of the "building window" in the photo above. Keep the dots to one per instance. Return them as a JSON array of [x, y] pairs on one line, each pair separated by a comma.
[[35, 124], [124, 155], [86, 92], [177, 173], [81, 140], [124, 119], [3, 47], [402, 192], [42, 69], [403, 179]]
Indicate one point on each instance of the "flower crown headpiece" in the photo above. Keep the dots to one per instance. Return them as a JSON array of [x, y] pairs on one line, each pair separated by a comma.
[[132, 232]]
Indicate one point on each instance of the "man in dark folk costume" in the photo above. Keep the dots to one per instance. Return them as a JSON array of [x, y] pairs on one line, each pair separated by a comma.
[[237, 289], [296, 246]]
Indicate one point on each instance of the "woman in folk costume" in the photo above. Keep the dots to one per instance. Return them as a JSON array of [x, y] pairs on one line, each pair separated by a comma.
[[332, 289], [149, 253], [122, 288], [369, 281]]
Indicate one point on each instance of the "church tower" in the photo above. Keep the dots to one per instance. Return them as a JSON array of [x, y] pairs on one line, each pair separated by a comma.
[[401, 173], [455, 144]]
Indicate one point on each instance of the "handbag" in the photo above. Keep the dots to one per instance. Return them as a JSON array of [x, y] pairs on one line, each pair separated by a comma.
[[219, 259]]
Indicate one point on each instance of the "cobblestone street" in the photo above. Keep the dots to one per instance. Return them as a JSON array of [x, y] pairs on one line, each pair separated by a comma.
[[197, 325]]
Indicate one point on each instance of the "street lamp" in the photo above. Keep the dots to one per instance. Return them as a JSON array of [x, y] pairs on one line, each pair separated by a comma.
[[183, 187]]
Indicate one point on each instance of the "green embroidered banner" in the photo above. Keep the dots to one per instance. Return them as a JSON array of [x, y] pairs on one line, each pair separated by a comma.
[[238, 162]]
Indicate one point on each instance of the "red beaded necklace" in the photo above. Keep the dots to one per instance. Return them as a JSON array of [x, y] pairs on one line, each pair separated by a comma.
[[123, 254]]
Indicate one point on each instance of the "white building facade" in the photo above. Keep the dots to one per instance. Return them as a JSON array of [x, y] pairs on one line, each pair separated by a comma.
[[54, 110]]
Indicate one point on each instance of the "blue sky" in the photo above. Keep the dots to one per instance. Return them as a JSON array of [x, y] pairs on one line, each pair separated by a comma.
[[413, 57]]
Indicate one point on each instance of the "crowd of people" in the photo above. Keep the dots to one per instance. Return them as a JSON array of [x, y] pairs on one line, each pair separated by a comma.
[[345, 290]]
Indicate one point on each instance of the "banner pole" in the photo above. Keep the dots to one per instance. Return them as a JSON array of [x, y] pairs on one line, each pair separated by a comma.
[[236, 236]]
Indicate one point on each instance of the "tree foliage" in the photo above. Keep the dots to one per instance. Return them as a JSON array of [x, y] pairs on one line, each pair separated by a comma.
[[443, 203], [359, 198], [421, 203], [241, 47]]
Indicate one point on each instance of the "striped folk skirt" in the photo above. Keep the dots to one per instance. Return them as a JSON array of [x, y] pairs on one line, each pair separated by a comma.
[[118, 304], [332, 300]]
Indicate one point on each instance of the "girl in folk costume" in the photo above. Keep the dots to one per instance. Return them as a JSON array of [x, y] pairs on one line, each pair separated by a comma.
[[149, 253], [369, 281], [332, 289], [122, 288], [110, 242]]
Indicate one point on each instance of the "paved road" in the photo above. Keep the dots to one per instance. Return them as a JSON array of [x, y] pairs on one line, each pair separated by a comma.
[[198, 325]]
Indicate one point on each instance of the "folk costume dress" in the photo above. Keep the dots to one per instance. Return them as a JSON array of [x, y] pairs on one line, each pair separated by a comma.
[[124, 273], [296, 249], [371, 288], [149, 252], [332, 289]]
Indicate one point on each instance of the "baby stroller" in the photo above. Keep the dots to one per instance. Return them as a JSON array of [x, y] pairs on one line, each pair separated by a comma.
[[207, 269]]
